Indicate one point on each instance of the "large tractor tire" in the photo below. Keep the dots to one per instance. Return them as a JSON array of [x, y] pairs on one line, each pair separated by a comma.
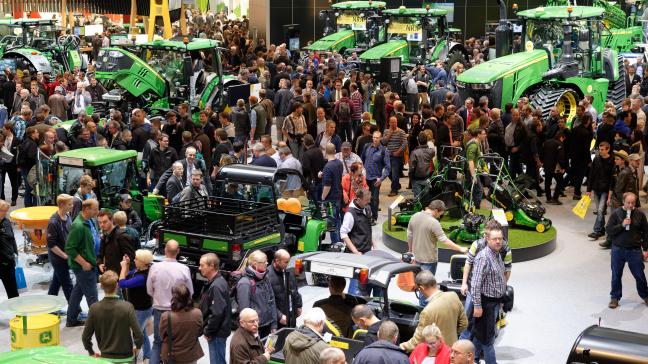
[[456, 55], [617, 89], [565, 99]]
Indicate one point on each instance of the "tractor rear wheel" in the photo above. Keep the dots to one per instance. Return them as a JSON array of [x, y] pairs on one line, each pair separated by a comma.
[[617, 89], [565, 99]]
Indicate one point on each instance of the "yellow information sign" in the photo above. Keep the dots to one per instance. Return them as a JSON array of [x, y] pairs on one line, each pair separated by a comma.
[[403, 28], [350, 19]]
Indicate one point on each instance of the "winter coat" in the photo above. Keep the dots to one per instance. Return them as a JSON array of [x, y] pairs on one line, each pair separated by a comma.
[[216, 307], [278, 282], [303, 346], [257, 294], [421, 351], [421, 161], [381, 352], [246, 349]]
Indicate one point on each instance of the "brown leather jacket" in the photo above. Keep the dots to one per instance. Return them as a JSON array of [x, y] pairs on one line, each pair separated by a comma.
[[186, 328]]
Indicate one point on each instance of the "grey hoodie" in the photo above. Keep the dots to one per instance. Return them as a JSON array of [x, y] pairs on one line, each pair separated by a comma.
[[303, 346]]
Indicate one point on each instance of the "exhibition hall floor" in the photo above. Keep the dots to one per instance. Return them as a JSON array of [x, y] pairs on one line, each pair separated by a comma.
[[556, 297]]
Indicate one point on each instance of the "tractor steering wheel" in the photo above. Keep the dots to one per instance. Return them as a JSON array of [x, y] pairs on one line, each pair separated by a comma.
[[68, 40]]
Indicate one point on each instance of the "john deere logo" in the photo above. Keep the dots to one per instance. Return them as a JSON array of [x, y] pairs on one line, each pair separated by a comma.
[[45, 337], [589, 88]]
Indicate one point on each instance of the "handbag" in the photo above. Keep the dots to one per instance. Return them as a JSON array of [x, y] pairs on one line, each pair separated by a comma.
[[170, 337]]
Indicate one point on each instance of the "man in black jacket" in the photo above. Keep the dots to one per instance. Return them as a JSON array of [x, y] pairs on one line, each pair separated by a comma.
[[287, 299], [27, 159], [216, 307], [554, 166], [627, 229], [115, 243], [140, 134], [8, 252], [159, 160], [367, 323], [580, 152], [599, 184], [312, 162]]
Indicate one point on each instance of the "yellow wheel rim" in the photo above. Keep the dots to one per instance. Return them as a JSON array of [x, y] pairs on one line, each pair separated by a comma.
[[540, 228], [393, 220], [509, 215], [566, 105]]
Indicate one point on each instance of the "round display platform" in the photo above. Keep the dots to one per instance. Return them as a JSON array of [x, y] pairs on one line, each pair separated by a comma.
[[526, 244]]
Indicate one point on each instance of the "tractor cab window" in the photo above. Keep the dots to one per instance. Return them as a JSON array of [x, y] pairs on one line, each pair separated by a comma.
[[68, 178], [546, 35], [243, 191], [113, 178], [169, 64]]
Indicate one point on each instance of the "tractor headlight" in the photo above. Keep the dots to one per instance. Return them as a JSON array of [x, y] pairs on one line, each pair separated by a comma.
[[387, 21], [482, 86]]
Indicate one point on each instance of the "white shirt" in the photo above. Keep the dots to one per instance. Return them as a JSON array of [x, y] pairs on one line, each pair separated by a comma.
[[348, 222]]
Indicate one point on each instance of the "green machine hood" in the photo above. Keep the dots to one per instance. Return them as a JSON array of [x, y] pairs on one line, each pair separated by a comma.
[[329, 42], [500, 67], [129, 72], [383, 50]]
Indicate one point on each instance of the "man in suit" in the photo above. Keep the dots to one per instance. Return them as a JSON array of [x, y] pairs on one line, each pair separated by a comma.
[[466, 111], [189, 164], [437, 97], [175, 183], [443, 309]]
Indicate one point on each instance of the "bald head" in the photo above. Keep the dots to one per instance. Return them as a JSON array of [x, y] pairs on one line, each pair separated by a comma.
[[171, 249], [463, 352], [248, 314]]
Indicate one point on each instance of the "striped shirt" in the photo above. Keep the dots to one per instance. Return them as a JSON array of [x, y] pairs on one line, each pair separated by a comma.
[[356, 100], [395, 140], [488, 277]]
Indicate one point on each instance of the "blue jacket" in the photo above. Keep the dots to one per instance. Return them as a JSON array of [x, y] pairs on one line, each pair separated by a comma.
[[381, 352], [335, 140]]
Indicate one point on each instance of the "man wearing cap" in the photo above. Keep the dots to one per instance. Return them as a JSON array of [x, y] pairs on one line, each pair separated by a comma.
[[126, 205], [424, 232], [347, 157]]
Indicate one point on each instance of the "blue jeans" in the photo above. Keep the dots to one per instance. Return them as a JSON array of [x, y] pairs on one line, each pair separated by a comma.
[[157, 339], [396, 164], [217, 350], [417, 186], [432, 267], [29, 199], [468, 309], [634, 258], [60, 278], [142, 316], [600, 206], [487, 349], [86, 285]]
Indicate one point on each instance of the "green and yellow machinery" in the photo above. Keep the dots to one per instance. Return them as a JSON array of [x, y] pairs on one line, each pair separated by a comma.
[[35, 46], [563, 60], [350, 26], [161, 74], [417, 36]]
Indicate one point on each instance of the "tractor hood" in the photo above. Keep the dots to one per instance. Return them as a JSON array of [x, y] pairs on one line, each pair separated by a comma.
[[329, 42], [500, 67], [383, 50], [40, 62], [129, 72]]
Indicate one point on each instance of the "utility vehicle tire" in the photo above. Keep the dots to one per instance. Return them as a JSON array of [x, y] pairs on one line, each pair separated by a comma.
[[456, 56], [565, 99], [617, 89]]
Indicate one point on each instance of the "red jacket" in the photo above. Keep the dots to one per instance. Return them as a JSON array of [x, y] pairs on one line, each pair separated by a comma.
[[421, 351]]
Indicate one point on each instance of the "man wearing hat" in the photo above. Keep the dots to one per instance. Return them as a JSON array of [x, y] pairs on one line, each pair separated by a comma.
[[126, 205]]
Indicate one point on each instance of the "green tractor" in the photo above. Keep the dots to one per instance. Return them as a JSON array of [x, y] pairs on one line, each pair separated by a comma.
[[563, 61], [38, 48], [417, 36], [350, 26], [114, 171], [159, 75]]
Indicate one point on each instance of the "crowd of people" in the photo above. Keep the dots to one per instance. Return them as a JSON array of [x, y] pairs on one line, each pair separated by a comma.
[[346, 134]]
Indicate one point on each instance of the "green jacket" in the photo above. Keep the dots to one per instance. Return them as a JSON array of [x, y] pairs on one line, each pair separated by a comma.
[[80, 242]]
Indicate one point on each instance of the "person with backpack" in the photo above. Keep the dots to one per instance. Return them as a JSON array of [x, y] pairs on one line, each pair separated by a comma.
[[421, 164], [254, 290], [342, 112]]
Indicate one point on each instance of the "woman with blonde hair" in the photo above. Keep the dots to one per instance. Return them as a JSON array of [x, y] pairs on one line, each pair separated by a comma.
[[133, 282], [433, 349]]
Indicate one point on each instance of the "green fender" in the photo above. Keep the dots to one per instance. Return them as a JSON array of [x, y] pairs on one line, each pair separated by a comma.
[[309, 242]]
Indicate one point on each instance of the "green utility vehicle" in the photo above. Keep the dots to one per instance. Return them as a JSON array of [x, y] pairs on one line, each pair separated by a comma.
[[350, 26], [243, 215], [114, 172], [563, 61], [161, 74], [376, 271], [417, 36], [38, 48]]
